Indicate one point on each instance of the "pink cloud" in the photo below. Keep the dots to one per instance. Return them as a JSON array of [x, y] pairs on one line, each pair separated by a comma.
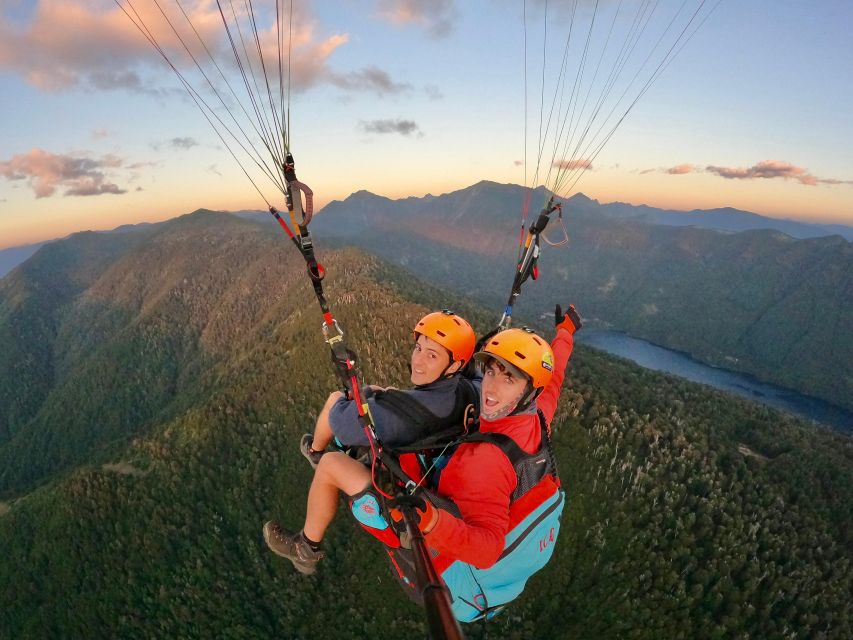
[[573, 164], [94, 44], [767, 169], [681, 169], [434, 15], [46, 172], [66, 41]]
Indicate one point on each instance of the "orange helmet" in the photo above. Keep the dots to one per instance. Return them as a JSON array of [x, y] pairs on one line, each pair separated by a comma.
[[450, 331], [523, 350]]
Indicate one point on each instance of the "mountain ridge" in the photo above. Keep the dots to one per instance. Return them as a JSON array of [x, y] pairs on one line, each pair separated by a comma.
[[727, 219], [720, 218]]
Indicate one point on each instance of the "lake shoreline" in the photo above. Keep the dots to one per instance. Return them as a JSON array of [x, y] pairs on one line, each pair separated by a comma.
[[658, 358]]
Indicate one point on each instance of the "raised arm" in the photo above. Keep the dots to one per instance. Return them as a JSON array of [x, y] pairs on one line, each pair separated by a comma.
[[567, 324]]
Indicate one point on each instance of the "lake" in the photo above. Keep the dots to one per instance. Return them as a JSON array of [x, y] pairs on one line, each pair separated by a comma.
[[651, 356]]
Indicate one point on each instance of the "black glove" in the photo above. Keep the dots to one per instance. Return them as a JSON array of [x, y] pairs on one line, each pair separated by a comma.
[[423, 509], [570, 320]]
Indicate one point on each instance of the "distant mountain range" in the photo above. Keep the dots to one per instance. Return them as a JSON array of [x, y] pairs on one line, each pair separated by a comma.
[[725, 219], [758, 301], [13, 256]]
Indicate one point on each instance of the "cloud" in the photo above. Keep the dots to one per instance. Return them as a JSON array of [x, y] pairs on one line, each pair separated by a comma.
[[768, 169], [175, 143], [573, 164], [47, 172], [436, 16], [183, 143], [214, 169], [369, 79], [679, 170], [99, 134], [403, 127], [518, 163], [69, 43], [95, 45], [93, 186], [764, 170]]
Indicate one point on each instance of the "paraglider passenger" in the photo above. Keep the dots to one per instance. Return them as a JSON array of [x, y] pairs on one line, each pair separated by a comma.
[[444, 343]]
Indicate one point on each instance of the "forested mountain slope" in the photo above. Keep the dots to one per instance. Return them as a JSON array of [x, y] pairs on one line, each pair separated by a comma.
[[690, 514], [757, 301]]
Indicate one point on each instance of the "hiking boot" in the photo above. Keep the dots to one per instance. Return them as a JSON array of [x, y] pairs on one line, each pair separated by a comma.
[[312, 456], [292, 546]]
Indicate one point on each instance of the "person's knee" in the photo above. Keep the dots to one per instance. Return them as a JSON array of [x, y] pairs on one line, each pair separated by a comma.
[[342, 471], [327, 465]]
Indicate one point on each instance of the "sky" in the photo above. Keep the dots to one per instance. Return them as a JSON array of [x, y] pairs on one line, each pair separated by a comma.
[[409, 97]]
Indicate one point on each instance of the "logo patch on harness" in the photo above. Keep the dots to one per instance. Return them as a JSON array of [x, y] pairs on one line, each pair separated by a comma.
[[367, 511], [546, 541]]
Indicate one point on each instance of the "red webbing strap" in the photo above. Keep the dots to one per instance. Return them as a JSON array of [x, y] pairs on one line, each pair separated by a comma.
[[342, 358]]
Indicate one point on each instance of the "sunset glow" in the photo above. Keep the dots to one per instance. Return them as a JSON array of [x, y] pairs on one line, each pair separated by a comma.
[[405, 99]]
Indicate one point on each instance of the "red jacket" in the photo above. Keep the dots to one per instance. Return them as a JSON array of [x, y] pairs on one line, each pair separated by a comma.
[[480, 479]]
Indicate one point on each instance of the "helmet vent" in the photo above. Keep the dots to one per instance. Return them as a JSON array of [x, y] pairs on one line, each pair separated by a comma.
[[521, 355], [441, 333]]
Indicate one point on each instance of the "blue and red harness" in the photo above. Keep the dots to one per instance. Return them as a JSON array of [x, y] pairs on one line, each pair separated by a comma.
[[535, 509]]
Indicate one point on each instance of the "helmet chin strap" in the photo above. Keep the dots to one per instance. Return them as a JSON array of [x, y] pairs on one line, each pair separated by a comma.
[[527, 397], [444, 373], [508, 410]]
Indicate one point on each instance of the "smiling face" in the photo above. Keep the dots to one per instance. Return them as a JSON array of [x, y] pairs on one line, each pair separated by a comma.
[[502, 389], [429, 361]]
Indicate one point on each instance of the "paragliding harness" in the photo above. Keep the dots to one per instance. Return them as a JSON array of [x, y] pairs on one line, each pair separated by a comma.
[[535, 508], [440, 619], [433, 431], [419, 461]]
